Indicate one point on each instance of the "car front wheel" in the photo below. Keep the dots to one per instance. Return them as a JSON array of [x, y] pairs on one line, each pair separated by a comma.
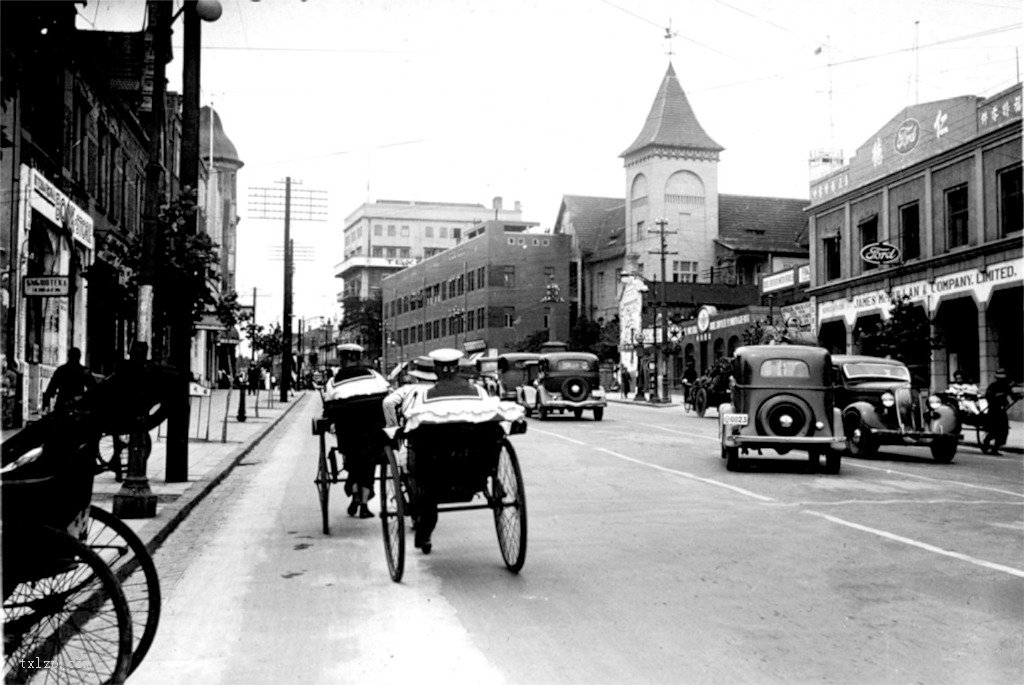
[[862, 442], [943, 451]]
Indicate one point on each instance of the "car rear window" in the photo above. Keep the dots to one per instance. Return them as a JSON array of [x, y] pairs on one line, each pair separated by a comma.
[[875, 370], [573, 365], [785, 368]]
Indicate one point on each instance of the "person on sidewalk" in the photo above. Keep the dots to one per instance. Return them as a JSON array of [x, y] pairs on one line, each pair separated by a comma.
[[625, 383], [70, 382], [348, 399], [1000, 394]]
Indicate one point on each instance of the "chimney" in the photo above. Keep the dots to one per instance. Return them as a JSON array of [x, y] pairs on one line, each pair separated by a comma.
[[496, 205], [519, 206]]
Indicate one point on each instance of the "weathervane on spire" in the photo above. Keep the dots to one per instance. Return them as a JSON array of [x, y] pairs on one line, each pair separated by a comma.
[[669, 35]]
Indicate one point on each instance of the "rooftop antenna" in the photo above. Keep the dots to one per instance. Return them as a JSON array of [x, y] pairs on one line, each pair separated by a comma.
[[669, 35], [917, 62]]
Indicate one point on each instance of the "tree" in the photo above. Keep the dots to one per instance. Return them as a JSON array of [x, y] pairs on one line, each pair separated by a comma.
[[905, 336], [530, 343], [585, 335], [363, 319]]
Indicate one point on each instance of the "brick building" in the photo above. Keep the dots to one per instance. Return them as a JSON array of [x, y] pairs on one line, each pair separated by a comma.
[[485, 293], [386, 236], [941, 182]]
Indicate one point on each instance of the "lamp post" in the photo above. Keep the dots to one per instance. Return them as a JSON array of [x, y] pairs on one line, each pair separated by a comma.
[[181, 339], [456, 314]]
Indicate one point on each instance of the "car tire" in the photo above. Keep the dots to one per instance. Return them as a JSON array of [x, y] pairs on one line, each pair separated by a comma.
[[732, 458], [833, 462], [575, 389], [577, 413], [599, 413], [542, 413], [529, 411], [943, 451], [859, 438], [700, 402], [813, 460]]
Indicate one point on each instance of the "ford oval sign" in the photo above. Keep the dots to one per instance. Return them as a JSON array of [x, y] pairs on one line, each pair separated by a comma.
[[880, 253], [907, 136]]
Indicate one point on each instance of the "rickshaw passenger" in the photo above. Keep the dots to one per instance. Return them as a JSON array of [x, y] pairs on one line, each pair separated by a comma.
[[423, 376], [358, 441], [426, 468]]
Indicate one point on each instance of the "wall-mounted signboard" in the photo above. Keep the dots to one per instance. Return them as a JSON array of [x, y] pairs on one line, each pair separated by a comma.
[[45, 286]]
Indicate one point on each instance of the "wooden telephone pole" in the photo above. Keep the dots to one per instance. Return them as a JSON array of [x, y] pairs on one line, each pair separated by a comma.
[[664, 393]]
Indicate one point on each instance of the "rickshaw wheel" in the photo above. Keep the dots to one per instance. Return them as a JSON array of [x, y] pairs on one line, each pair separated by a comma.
[[392, 514], [508, 498], [126, 555], [76, 616], [323, 484]]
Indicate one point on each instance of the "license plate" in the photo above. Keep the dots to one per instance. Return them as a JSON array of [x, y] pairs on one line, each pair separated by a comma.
[[734, 419]]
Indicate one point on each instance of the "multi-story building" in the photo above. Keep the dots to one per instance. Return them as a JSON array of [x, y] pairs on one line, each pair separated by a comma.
[[937, 192], [710, 239], [487, 293], [74, 147], [386, 236]]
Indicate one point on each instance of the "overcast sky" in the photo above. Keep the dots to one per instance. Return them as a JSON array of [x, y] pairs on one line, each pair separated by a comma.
[[460, 101]]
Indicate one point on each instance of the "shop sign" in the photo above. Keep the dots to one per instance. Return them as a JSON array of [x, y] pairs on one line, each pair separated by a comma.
[[474, 346], [880, 253], [907, 135], [1000, 111], [778, 281], [58, 208], [738, 320], [45, 286], [803, 312], [803, 274], [978, 281], [704, 317]]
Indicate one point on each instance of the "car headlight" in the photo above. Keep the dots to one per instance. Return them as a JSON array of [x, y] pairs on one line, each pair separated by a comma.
[[934, 402], [888, 400]]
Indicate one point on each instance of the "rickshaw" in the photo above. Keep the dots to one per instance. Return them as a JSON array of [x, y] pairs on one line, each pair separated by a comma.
[[476, 468], [69, 594], [353, 413]]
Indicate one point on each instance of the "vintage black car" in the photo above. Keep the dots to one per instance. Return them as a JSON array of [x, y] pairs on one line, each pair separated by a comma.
[[881, 407], [564, 381], [513, 374], [782, 398]]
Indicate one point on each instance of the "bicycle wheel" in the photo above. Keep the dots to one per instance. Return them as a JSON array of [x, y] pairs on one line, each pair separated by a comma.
[[69, 621], [392, 515], [323, 484], [108, 454], [126, 555], [508, 498]]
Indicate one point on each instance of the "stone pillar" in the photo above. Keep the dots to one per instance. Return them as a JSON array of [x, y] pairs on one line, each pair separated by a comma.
[[940, 362], [849, 338], [988, 348]]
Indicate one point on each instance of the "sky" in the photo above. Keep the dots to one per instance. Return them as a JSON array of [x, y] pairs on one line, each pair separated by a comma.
[[530, 100]]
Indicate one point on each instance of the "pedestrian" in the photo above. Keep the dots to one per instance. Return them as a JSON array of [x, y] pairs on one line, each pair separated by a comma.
[[625, 382], [1000, 394], [254, 379], [641, 381], [70, 382]]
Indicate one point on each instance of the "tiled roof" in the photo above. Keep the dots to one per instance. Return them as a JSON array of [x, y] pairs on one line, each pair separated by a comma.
[[595, 220], [671, 121], [761, 224]]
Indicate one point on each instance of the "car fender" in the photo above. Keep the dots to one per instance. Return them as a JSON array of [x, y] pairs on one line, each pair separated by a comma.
[[837, 422], [944, 420], [723, 409], [528, 395], [868, 416]]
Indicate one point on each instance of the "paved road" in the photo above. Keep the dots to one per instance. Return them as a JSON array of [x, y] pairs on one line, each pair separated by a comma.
[[647, 562]]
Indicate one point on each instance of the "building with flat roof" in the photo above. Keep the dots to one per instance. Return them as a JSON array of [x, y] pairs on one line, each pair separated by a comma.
[[930, 207], [486, 293], [386, 236]]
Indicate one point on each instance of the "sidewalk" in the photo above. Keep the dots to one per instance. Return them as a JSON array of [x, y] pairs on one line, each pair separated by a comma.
[[1014, 442], [209, 460]]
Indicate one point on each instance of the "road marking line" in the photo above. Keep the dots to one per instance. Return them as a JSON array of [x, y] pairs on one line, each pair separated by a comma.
[[847, 462], [921, 545], [713, 438], [684, 474]]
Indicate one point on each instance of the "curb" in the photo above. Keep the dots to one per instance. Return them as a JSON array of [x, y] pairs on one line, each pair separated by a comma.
[[649, 405], [195, 494]]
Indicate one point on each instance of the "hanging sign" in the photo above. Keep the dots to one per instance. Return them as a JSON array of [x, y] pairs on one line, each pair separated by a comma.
[[45, 286], [880, 253]]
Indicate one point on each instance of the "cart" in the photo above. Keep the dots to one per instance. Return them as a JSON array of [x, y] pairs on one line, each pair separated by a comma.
[[474, 466], [353, 414], [70, 568]]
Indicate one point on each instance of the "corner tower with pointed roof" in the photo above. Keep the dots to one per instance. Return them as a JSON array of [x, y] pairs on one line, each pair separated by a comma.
[[672, 173]]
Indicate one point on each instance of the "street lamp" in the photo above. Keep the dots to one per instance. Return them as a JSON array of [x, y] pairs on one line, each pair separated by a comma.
[[456, 313]]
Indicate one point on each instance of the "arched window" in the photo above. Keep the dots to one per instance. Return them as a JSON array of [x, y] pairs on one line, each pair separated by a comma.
[[684, 188]]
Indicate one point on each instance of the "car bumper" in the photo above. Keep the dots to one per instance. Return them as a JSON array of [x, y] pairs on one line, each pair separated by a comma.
[[887, 436], [834, 443], [566, 404]]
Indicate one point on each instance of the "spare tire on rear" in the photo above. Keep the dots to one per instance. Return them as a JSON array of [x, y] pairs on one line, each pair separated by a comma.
[[575, 389]]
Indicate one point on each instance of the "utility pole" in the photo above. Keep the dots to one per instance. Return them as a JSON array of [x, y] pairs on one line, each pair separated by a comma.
[[135, 499], [310, 205], [665, 392]]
